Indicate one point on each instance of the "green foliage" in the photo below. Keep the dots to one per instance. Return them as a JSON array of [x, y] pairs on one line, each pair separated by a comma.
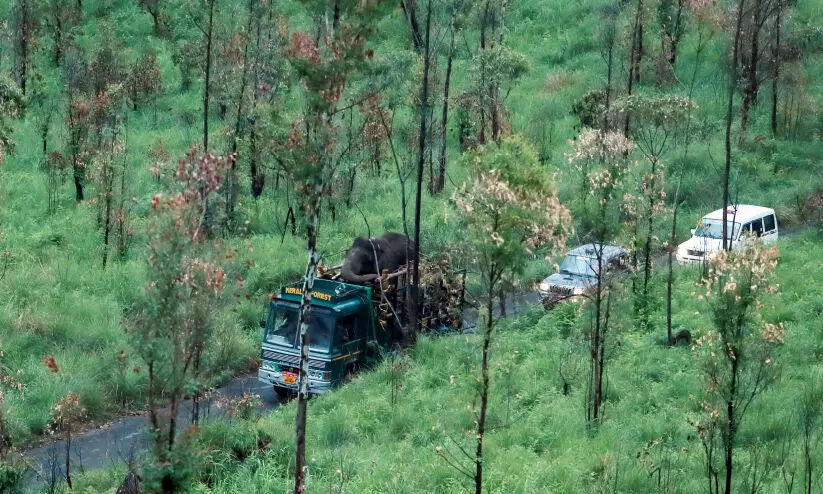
[[12, 477], [537, 437], [57, 301], [12, 104], [510, 208], [590, 108]]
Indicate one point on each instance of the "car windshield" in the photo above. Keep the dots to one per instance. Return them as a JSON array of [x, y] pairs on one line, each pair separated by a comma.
[[714, 229], [578, 266], [283, 328]]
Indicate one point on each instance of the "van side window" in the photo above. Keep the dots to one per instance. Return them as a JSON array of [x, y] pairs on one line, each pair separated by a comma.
[[769, 224], [747, 228], [757, 227]]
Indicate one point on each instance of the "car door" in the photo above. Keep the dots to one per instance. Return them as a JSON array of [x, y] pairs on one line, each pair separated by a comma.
[[769, 234]]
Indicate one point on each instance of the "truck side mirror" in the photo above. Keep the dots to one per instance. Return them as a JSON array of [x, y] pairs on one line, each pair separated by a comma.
[[263, 323], [693, 230]]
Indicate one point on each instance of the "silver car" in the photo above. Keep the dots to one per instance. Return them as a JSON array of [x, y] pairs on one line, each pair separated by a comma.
[[578, 272]]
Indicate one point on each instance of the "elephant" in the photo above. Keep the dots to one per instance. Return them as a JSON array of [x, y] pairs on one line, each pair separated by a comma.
[[359, 265]]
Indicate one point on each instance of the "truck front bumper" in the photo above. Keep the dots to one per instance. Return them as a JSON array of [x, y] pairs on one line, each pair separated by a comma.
[[276, 379]]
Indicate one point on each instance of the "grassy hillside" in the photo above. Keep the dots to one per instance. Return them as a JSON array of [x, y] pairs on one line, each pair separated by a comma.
[[388, 430], [58, 301]]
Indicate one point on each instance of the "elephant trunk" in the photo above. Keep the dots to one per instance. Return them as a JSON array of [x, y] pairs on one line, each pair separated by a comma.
[[352, 277]]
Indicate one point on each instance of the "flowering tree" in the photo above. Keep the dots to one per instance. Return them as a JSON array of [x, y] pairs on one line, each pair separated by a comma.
[[172, 323], [145, 81], [739, 353], [601, 158], [655, 119], [510, 210]]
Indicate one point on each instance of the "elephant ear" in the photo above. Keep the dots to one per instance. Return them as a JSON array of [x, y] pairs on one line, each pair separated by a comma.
[[361, 243]]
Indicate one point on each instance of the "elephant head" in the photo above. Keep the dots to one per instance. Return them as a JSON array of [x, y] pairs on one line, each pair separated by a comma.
[[390, 249], [359, 266]]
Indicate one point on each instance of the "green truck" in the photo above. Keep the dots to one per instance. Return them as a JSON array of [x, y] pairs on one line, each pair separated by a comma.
[[351, 326]]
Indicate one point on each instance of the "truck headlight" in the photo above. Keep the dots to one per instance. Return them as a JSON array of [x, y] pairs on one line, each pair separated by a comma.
[[543, 286]]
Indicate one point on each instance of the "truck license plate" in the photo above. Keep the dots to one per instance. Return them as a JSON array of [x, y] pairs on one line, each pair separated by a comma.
[[289, 378]]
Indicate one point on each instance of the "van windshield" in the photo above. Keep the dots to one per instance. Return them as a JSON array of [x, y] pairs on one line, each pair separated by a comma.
[[283, 328], [712, 228]]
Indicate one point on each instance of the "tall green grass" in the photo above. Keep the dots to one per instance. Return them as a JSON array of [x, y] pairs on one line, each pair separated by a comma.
[[358, 437], [55, 298]]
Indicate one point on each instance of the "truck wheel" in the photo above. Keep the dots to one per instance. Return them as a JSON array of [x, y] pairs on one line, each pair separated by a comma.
[[351, 370], [283, 394]]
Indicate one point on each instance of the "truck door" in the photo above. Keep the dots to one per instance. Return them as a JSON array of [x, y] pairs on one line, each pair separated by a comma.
[[348, 337]]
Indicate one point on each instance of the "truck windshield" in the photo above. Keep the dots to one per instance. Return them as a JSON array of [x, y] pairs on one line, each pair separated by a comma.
[[283, 328], [714, 229], [579, 266]]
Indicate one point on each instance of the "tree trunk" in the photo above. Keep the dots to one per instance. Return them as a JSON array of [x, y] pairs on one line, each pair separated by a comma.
[[634, 59], [731, 426], [410, 13], [727, 244], [484, 385], [609, 67], [231, 176], [494, 91], [675, 38], [58, 38], [24, 43], [637, 51], [68, 457], [411, 333], [209, 36], [78, 182], [750, 71], [597, 373], [647, 247], [698, 52], [156, 18], [305, 322], [444, 121], [483, 26], [107, 228], [807, 453], [776, 62], [672, 244], [258, 179]]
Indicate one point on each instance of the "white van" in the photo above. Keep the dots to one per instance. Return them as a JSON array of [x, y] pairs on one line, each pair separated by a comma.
[[742, 220]]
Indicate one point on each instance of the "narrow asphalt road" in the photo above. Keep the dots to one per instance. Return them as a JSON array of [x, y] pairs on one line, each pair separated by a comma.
[[123, 440]]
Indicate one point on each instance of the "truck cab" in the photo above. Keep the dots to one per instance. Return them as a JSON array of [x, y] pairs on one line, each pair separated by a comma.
[[351, 325], [342, 335]]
